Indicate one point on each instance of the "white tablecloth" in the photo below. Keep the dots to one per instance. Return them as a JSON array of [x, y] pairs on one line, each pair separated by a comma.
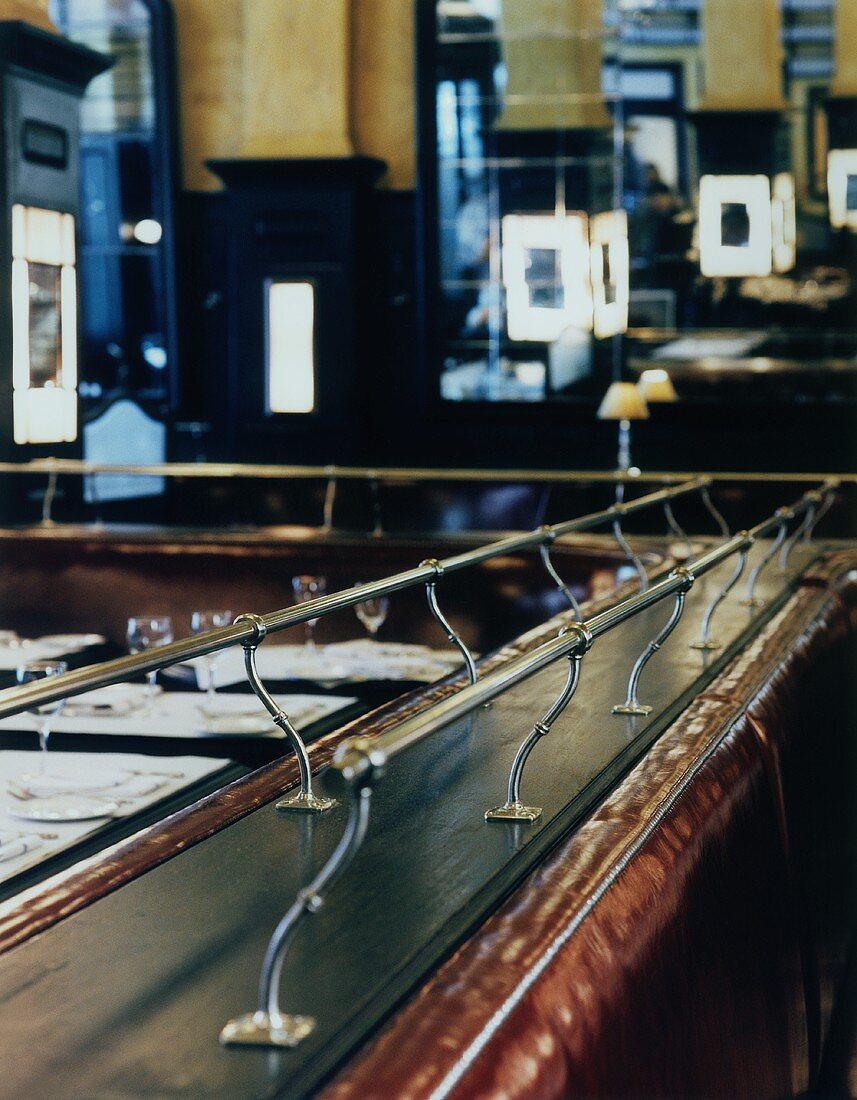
[[125, 709], [342, 662], [26, 843], [47, 648]]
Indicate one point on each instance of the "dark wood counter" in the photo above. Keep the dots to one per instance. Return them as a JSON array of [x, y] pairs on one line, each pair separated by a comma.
[[126, 995]]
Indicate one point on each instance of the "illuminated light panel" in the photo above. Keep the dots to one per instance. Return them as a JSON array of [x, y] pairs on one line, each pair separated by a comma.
[[842, 188], [784, 223], [562, 240], [735, 232], [611, 268], [44, 326], [291, 347]]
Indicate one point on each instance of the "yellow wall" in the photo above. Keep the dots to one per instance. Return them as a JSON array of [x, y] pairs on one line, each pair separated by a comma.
[[29, 11], [303, 78]]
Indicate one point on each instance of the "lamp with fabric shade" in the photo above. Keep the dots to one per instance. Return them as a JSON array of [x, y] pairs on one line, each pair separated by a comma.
[[656, 386], [623, 402]]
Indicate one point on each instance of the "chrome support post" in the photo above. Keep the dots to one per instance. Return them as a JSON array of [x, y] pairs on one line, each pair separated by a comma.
[[751, 599], [329, 502], [628, 552], [632, 705], [795, 537], [268, 1026], [305, 802], [544, 551], [705, 641], [451, 635], [48, 500], [375, 492], [513, 809], [705, 495], [677, 530]]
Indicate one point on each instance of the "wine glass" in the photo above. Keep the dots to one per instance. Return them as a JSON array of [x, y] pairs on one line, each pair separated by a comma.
[[58, 801], [372, 612], [149, 632], [29, 673], [200, 623], [306, 587]]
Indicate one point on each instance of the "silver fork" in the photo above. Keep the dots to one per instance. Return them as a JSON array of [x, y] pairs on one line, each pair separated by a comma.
[[23, 794]]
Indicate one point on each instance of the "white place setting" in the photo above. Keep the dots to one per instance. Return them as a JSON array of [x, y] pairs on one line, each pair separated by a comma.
[[45, 811], [341, 662], [131, 710], [15, 649]]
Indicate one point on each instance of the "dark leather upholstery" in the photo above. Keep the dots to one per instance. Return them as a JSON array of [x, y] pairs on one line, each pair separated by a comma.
[[687, 940], [59, 580]]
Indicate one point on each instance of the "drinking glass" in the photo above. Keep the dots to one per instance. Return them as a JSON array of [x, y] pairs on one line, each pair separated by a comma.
[[372, 612], [149, 632], [306, 587], [28, 673], [200, 623], [59, 800]]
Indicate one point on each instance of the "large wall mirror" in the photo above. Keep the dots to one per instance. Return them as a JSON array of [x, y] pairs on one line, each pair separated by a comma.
[[128, 169], [598, 197]]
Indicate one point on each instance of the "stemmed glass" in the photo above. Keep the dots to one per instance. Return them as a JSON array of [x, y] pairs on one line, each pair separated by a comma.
[[200, 623], [372, 612], [28, 673], [59, 802], [149, 632], [306, 587]]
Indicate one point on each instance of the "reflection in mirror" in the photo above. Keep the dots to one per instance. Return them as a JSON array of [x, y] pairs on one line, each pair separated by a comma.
[[737, 173], [126, 238]]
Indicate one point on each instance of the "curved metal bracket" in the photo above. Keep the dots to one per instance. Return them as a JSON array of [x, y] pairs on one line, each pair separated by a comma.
[[677, 530], [789, 545], [545, 553], [624, 546], [632, 705], [706, 642], [513, 809], [451, 635], [716, 516], [829, 498], [751, 599], [305, 802], [268, 1025]]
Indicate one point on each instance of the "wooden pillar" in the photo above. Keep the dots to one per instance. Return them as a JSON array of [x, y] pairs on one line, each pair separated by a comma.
[[383, 86], [211, 84], [742, 55], [28, 11], [553, 58], [296, 78], [845, 50]]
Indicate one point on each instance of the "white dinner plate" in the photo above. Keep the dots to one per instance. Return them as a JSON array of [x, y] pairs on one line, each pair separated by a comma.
[[66, 807]]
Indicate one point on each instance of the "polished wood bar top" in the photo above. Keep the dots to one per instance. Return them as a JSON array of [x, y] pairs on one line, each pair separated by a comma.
[[130, 991]]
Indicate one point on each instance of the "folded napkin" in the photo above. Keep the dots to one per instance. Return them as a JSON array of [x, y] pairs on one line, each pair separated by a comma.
[[14, 844]]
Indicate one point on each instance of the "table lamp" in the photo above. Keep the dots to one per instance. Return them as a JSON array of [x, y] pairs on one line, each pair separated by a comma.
[[655, 386], [623, 402]]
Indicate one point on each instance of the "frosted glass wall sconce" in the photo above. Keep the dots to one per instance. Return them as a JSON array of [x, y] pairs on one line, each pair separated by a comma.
[[290, 325], [546, 275], [842, 188], [784, 223], [735, 230], [610, 273], [44, 326]]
